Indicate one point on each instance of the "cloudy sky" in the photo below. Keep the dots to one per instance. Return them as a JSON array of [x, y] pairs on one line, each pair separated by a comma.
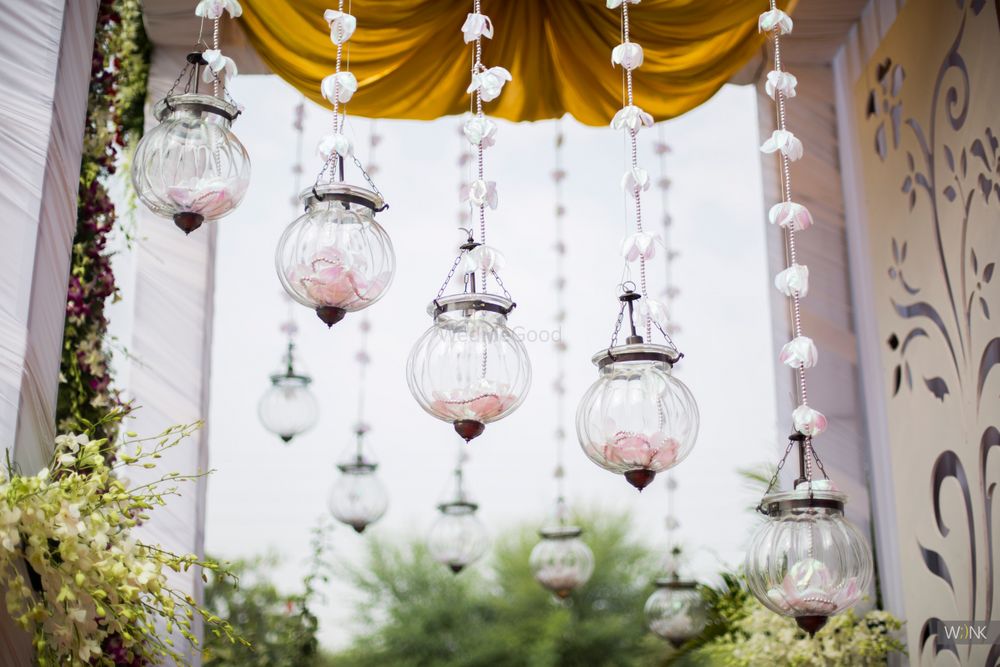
[[265, 496]]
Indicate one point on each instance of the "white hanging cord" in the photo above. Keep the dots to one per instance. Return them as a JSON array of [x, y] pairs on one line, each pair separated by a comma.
[[670, 290]]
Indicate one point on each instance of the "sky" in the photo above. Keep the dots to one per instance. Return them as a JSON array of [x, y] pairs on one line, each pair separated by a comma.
[[265, 496]]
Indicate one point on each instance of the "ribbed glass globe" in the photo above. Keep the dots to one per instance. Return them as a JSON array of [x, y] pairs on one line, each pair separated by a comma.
[[807, 561], [637, 419], [561, 561], [676, 611], [191, 167], [288, 407], [469, 368], [458, 538], [358, 498], [335, 258]]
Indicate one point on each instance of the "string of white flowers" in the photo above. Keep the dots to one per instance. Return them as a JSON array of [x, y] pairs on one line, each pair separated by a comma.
[[338, 88], [799, 353], [559, 384], [298, 125], [216, 64], [485, 85], [670, 291]]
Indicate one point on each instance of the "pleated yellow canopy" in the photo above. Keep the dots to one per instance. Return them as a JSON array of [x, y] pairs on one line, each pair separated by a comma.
[[411, 61]]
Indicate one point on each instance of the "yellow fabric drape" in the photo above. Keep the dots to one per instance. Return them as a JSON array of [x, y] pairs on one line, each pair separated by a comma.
[[411, 61]]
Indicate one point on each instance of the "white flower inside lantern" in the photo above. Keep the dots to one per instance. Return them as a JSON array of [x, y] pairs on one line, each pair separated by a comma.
[[191, 167]]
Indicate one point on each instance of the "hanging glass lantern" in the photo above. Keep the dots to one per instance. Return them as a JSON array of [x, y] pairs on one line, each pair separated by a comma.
[[561, 562], [469, 368], [637, 419], [288, 407], [358, 497], [191, 167], [676, 610], [807, 561], [458, 538], [336, 258]]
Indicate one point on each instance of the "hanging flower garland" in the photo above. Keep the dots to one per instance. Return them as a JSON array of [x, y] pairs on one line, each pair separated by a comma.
[[119, 71], [807, 561], [670, 292]]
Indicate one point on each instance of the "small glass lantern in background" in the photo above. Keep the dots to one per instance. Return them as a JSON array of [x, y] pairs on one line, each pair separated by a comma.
[[676, 610], [458, 538], [288, 408], [336, 258], [358, 498], [561, 562]]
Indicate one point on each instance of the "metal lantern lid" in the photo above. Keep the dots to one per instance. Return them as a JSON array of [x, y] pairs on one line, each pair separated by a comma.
[[560, 532], [471, 302], [343, 192], [197, 104], [640, 351], [803, 499]]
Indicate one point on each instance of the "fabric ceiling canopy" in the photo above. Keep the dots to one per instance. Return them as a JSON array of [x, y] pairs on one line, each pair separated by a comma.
[[411, 61]]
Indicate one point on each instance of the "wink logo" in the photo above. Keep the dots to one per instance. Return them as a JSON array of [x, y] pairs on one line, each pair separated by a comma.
[[968, 632]]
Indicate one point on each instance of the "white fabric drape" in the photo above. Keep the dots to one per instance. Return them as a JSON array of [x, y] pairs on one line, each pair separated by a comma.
[[44, 73]]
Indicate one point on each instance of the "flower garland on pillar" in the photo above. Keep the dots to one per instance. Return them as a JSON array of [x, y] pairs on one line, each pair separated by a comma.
[[806, 561]]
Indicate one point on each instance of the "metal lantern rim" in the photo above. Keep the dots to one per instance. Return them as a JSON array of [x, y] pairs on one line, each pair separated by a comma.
[[458, 504], [560, 532], [342, 192], [354, 467], [667, 354], [195, 102], [776, 503], [672, 583], [278, 377], [471, 301]]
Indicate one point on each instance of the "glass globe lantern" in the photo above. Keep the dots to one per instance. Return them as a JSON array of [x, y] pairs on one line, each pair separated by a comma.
[[637, 419], [191, 167], [288, 408], [335, 258], [561, 562], [807, 561], [358, 498], [458, 538], [469, 368], [675, 611]]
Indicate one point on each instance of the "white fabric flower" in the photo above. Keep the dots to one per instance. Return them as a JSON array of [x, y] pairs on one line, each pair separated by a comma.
[[482, 258], [615, 4], [216, 63], [481, 193], [793, 280], [212, 9], [654, 311], [800, 352], [342, 25], [790, 215], [784, 141], [640, 244], [629, 55], [775, 18], [635, 179], [489, 83], [631, 117], [341, 86], [480, 130], [476, 26], [808, 421], [336, 143], [782, 82]]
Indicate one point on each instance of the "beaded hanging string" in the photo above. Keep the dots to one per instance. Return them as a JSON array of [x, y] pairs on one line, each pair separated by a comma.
[[670, 290], [799, 353], [338, 88], [298, 125], [559, 384], [363, 359], [672, 524]]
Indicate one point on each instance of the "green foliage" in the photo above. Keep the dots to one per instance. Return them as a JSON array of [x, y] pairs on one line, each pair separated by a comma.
[[413, 611]]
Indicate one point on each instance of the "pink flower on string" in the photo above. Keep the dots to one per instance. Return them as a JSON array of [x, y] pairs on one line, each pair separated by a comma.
[[340, 87], [482, 258], [775, 18], [782, 82], [800, 352], [342, 25], [213, 9], [216, 64], [790, 215], [784, 141], [489, 83], [481, 193], [793, 280], [631, 117], [479, 131], [640, 245], [808, 421], [476, 26], [635, 179], [656, 312]]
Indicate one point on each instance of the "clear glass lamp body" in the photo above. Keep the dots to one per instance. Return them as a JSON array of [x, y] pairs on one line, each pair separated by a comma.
[[457, 538], [335, 258], [637, 419], [469, 366], [808, 562], [561, 562], [191, 164], [676, 611], [358, 498], [288, 408]]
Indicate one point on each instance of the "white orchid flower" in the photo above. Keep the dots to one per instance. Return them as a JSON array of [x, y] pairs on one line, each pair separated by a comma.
[[631, 117], [782, 82], [476, 26], [336, 143], [629, 55], [481, 193], [489, 83], [213, 9], [790, 215], [784, 141], [340, 86], [808, 421], [775, 18], [483, 258], [216, 63], [654, 311], [480, 131], [640, 244], [342, 25], [615, 4], [800, 352], [793, 281], [635, 179]]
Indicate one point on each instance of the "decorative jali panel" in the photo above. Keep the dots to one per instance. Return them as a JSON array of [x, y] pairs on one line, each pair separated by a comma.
[[928, 114]]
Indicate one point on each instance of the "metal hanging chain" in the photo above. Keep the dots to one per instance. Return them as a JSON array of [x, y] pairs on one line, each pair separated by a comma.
[[774, 478]]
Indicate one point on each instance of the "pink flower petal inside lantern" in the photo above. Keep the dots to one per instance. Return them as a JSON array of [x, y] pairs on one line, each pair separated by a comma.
[[653, 452], [481, 404], [209, 197], [808, 590]]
